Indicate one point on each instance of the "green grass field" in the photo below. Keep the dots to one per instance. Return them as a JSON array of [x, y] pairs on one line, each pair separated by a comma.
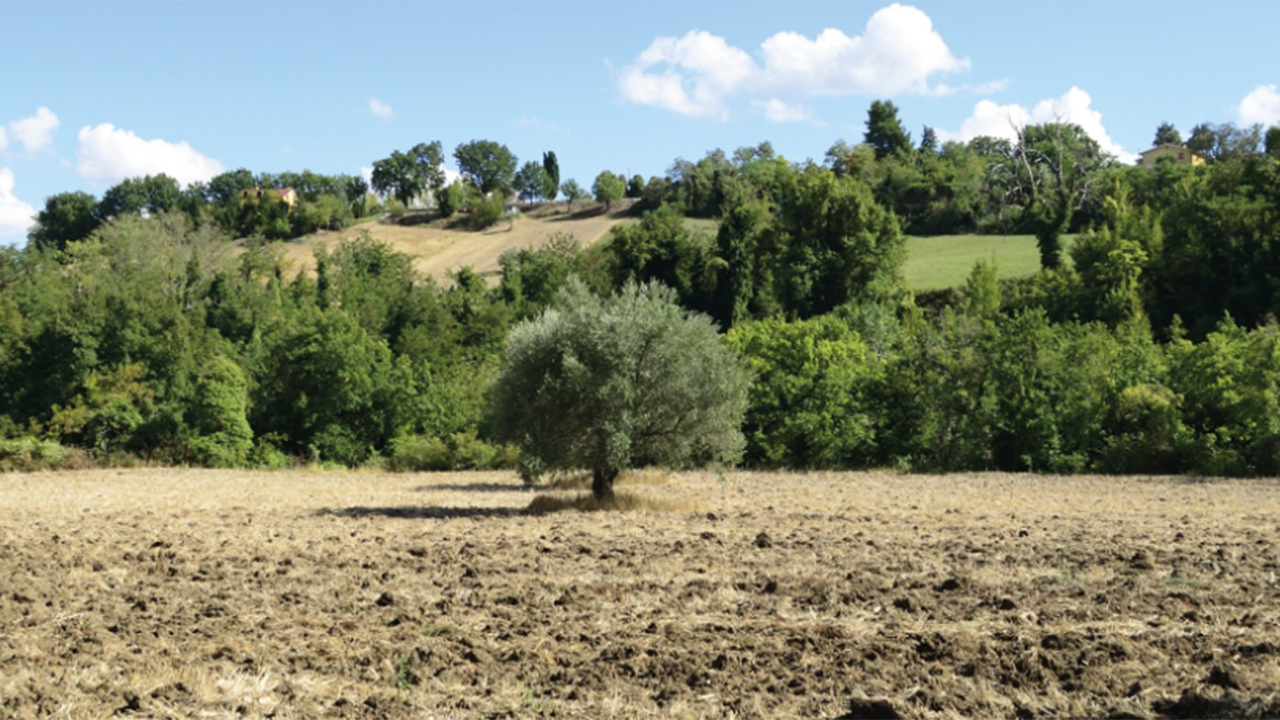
[[935, 262], [945, 261]]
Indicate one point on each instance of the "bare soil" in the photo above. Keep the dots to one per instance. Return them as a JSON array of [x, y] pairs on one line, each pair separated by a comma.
[[438, 250], [183, 593]]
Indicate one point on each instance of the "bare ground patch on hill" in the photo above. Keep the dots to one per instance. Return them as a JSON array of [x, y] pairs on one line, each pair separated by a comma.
[[185, 593], [438, 249]]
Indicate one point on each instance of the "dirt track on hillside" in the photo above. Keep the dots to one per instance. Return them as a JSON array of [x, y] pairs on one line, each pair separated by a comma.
[[437, 251], [179, 593]]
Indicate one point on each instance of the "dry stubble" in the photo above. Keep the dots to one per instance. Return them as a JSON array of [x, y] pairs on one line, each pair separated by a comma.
[[183, 593]]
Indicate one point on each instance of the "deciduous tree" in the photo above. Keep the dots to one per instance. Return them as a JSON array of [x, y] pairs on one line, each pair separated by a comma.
[[405, 176], [489, 165], [607, 188], [67, 217]]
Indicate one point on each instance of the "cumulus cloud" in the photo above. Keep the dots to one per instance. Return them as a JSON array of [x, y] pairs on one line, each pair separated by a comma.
[[108, 154], [1261, 106], [16, 217], [780, 112], [1002, 121], [381, 109], [36, 132], [698, 74], [4, 139]]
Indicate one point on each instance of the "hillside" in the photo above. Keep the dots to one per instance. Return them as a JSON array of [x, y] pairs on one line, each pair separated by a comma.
[[439, 248], [945, 261]]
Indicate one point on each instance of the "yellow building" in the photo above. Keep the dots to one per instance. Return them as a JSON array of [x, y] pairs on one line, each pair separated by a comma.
[[1175, 153], [285, 195]]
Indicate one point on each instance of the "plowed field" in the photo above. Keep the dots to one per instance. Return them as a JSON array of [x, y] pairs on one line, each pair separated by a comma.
[[180, 593]]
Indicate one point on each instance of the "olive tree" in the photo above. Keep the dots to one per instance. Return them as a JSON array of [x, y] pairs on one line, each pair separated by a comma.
[[628, 380]]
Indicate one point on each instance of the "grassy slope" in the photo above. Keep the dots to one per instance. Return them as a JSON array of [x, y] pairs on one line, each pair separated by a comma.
[[945, 261]]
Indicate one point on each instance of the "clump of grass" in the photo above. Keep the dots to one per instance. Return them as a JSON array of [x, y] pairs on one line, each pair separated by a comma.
[[649, 477], [621, 502]]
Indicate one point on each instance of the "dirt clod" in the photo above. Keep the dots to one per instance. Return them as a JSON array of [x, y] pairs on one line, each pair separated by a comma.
[[878, 708]]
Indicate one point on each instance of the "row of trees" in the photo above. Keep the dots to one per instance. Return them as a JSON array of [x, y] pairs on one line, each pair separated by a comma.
[[324, 202], [1154, 350]]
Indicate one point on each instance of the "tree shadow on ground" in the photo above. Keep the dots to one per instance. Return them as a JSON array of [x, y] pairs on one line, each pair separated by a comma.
[[422, 512], [473, 487]]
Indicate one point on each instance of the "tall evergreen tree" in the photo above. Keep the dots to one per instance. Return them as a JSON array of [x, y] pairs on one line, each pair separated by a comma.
[[885, 133]]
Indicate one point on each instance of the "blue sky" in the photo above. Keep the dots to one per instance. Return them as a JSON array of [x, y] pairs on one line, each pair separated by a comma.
[[96, 92]]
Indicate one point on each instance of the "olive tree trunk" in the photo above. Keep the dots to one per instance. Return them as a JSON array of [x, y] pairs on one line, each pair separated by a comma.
[[602, 483]]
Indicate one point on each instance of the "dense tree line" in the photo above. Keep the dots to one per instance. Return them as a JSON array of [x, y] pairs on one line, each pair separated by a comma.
[[323, 202], [130, 328]]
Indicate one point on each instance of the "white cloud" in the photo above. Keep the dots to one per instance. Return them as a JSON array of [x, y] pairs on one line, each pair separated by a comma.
[[1261, 106], [16, 217], [36, 132], [381, 109], [1001, 121], [698, 74], [367, 174], [4, 139], [716, 71], [108, 154], [780, 112]]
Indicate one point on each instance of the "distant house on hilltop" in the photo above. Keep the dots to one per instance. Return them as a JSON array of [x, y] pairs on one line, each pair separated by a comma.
[[256, 195], [1174, 153]]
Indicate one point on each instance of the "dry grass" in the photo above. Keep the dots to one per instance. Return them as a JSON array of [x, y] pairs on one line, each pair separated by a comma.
[[620, 502], [182, 593], [438, 249]]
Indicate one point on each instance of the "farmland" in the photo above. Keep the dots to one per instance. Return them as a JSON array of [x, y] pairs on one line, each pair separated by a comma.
[[193, 593]]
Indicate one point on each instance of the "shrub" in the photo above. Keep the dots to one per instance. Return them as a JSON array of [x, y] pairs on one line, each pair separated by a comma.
[[26, 454], [460, 451], [485, 213]]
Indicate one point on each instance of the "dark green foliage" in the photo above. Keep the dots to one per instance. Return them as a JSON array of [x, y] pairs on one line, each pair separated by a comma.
[[609, 384], [885, 133], [407, 175], [66, 217], [838, 244], [153, 194], [325, 388], [635, 187], [551, 176], [531, 182], [745, 258], [659, 248], [928, 141], [1167, 134], [489, 166], [1272, 141]]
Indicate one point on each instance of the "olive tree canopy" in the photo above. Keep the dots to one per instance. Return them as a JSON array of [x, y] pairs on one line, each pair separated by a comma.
[[628, 380]]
